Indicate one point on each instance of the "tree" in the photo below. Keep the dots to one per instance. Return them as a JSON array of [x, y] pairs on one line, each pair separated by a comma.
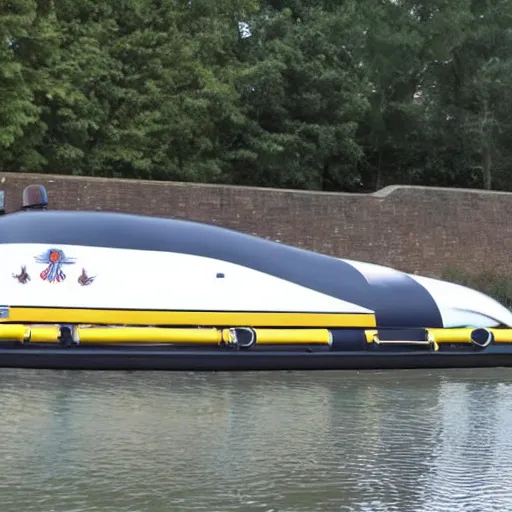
[[335, 94]]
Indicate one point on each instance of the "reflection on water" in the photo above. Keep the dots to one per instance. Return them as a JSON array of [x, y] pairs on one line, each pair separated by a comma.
[[388, 441]]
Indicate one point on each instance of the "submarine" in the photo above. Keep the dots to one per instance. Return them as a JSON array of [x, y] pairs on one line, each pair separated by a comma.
[[117, 291]]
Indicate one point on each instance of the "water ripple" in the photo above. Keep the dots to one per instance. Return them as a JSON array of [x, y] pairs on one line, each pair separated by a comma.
[[266, 442]]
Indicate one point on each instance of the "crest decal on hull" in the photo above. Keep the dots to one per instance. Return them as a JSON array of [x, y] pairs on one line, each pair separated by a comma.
[[55, 259], [84, 279], [23, 276]]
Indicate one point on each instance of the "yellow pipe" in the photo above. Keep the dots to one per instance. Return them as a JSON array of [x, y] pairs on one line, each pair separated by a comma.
[[44, 334], [455, 335], [14, 332], [440, 335], [148, 335], [451, 335], [145, 335], [502, 335], [464, 335], [292, 336]]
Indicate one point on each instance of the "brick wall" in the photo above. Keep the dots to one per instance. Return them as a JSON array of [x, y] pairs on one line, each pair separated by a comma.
[[416, 229]]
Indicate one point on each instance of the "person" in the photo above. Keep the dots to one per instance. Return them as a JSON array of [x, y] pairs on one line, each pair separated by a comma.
[[34, 198]]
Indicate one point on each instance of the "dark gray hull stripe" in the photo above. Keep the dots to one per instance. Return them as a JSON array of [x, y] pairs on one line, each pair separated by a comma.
[[397, 299]]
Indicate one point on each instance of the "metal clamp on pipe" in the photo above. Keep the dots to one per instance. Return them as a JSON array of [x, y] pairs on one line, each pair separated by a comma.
[[239, 337], [481, 337], [429, 342], [68, 335]]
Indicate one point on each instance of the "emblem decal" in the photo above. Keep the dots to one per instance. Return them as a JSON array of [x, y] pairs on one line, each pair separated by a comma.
[[23, 276], [84, 279], [54, 258]]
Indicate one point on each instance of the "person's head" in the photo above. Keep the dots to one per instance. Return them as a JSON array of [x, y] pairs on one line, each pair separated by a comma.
[[35, 198]]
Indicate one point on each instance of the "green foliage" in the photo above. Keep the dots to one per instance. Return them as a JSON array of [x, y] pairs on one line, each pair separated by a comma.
[[335, 95], [17, 107]]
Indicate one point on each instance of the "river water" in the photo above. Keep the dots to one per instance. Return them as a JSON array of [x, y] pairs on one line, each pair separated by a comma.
[[283, 442]]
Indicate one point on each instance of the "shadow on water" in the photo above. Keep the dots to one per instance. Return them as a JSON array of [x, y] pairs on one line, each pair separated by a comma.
[[369, 441]]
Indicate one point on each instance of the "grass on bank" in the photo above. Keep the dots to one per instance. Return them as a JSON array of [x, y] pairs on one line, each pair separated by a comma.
[[497, 287]]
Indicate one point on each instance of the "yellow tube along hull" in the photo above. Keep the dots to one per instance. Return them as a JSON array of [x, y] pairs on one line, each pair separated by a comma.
[[280, 336], [213, 336], [467, 335], [199, 336], [450, 336], [14, 332], [150, 348], [43, 334], [148, 335], [247, 348], [157, 335]]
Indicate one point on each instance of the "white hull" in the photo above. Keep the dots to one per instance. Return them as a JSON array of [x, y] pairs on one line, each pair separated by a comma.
[[152, 280]]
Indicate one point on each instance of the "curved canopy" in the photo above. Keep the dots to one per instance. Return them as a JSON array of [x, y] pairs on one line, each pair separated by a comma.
[[397, 299]]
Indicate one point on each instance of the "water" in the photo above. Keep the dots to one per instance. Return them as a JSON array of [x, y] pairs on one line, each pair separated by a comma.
[[282, 442]]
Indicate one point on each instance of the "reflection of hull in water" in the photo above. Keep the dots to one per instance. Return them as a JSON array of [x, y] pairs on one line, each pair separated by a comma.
[[115, 291]]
